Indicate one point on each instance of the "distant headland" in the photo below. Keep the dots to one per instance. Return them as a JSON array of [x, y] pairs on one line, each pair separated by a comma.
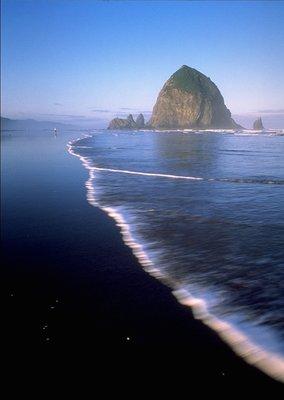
[[188, 99]]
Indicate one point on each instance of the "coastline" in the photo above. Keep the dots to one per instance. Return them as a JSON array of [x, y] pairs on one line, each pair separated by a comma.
[[104, 298]]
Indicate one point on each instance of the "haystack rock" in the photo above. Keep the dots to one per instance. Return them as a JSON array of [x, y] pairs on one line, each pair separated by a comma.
[[190, 99], [257, 125]]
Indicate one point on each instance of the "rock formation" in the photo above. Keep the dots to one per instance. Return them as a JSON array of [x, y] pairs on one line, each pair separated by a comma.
[[118, 123], [131, 122], [140, 122], [257, 125], [190, 99], [128, 123]]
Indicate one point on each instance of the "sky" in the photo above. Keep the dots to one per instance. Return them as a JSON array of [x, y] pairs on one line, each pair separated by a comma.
[[84, 62]]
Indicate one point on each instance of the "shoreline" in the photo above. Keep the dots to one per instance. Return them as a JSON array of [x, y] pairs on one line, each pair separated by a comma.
[[267, 362], [193, 130], [90, 289]]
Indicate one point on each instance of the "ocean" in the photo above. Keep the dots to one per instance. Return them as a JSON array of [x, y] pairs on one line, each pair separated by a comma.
[[203, 212]]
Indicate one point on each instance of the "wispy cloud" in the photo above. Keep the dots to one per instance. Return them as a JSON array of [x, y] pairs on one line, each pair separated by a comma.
[[135, 110], [277, 111], [57, 104], [120, 112], [69, 116], [101, 111], [267, 112]]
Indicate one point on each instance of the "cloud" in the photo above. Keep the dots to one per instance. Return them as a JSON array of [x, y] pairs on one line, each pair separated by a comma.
[[257, 113], [69, 116], [121, 112], [277, 111], [135, 110], [57, 104], [101, 111], [146, 112]]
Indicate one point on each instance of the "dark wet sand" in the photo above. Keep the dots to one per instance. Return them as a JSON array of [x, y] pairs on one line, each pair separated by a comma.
[[69, 280]]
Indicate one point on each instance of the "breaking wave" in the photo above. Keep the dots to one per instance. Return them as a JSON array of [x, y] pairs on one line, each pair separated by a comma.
[[256, 180]]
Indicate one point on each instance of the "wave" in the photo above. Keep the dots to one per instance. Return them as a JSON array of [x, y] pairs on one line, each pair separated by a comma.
[[121, 171], [270, 363], [256, 180], [245, 132]]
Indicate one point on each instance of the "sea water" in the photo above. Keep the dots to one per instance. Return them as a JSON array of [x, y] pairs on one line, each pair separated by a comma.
[[204, 212]]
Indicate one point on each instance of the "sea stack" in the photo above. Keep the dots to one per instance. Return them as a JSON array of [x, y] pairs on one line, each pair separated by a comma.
[[190, 99], [257, 125], [140, 121], [128, 123]]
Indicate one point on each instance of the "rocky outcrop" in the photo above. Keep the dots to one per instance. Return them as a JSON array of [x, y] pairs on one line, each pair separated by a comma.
[[118, 123], [131, 122], [190, 99], [128, 123], [140, 121], [257, 125]]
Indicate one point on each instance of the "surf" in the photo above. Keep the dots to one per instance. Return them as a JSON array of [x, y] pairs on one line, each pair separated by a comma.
[[270, 363]]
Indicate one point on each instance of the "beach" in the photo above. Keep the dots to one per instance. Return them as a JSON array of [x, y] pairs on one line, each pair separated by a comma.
[[69, 279]]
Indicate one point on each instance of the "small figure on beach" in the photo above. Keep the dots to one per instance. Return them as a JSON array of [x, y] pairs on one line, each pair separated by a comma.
[[55, 132]]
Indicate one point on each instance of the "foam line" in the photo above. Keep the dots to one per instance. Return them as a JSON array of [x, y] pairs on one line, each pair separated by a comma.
[[194, 178], [122, 171], [268, 362], [263, 181]]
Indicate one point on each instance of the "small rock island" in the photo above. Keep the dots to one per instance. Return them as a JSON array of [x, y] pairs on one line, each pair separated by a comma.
[[258, 125], [127, 123], [188, 99]]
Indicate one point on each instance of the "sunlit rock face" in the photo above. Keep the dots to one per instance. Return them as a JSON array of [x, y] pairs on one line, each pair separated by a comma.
[[258, 125], [190, 99], [118, 123]]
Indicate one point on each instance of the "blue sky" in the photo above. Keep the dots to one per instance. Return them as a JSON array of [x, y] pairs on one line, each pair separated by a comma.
[[86, 61]]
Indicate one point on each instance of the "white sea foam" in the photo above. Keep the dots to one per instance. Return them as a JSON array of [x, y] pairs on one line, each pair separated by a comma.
[[268, 362], [184, 177], [218, 130], [84, 147], [253, 131], [122, 171]]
